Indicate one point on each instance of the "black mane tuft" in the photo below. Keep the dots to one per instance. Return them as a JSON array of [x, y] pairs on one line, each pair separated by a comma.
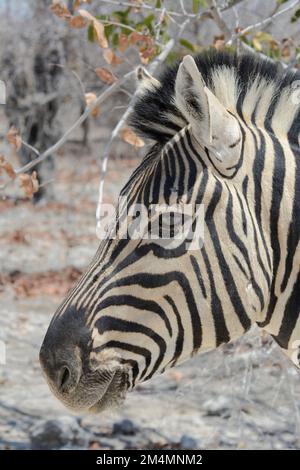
[[155, 114]]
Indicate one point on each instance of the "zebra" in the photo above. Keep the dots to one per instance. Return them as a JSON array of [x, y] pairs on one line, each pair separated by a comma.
[[226, 136]]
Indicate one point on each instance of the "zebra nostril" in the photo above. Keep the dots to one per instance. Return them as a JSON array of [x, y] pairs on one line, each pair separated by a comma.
[[62, 369], [64, 381]]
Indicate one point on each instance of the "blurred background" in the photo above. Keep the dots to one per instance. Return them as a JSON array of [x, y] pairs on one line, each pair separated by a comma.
[[62, 61]]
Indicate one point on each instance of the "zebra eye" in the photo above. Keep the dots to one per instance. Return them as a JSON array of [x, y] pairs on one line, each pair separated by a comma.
[[135, 215]]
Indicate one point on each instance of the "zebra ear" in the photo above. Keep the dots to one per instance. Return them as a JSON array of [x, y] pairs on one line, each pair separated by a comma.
[[146, 81], [212, 125]]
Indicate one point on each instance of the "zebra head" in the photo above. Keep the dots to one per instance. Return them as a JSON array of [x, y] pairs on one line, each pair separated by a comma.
[[149, 302]]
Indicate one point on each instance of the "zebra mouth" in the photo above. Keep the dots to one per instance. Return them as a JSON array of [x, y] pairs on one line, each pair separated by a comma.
[[114, 394], [96, 391]]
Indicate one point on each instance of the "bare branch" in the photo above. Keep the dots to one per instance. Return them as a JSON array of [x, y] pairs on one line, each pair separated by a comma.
[[144, 6], [264, 23], [183, 7], [75, 74], [216, 14], [121, 25], [162, 56], [82, 118], [53, 149], [104, 160], [30, 147], [236, 16], [159, 24]]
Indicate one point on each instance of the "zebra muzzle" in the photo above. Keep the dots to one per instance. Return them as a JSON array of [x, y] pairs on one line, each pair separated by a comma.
[[79, 387]]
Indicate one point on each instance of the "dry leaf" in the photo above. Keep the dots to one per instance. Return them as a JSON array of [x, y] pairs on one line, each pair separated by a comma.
[[35, 182], [90, 98], [131, 138], [286, 51], [87, 15], [106, 75], [219, 44], [257, 45], [136, 37], [146, 54], [14, 138], [77, 22], [123, 42], [7, 167], [29, 183], [147, 47], [219, 41], [60, 10], [100, 34], [77, 3], [110, 57], [98, 27]]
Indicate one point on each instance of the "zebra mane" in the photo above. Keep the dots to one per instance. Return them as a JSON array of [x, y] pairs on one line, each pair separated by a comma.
[[247, 84]]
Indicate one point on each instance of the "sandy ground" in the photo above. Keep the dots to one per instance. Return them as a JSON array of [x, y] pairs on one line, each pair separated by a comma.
[[245, 395]]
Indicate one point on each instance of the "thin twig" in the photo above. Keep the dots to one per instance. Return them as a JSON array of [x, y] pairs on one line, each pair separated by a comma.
[[121, 25], [183, 7], [82, 118], [30, 147], [264, 23], [163, 55], [236, 16], [144, 6], [104, 161], [82, 88], [45, 183], [216, 14], [159, 24]]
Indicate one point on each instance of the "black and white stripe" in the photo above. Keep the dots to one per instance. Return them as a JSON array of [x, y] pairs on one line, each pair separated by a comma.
[[154, 306]]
